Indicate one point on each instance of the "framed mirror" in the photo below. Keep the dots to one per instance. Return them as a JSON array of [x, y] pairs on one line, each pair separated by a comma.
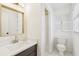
[[11, 21]]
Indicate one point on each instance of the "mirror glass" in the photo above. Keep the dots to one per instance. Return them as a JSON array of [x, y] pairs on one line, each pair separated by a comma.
[[11, 22]]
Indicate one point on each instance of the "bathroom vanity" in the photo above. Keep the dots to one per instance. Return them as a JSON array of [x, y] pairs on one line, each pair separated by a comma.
[[21, 48], [32, 51]]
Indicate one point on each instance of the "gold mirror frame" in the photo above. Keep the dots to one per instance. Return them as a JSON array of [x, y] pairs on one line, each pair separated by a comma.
[[15, 11]]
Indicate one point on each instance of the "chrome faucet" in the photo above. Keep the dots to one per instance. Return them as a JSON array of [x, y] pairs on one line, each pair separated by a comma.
[[15, 41]]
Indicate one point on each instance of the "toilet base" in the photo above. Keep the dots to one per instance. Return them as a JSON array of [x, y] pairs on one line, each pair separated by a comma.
[[61, 53], [61, 48]]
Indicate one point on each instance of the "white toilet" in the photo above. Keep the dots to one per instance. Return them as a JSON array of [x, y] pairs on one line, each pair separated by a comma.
[[61, 46]]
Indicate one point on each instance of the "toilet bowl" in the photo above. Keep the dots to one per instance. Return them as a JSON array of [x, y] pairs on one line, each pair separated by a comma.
[[61, 46]]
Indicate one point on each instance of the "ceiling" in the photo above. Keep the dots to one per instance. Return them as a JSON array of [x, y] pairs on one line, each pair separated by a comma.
[[61, 8]]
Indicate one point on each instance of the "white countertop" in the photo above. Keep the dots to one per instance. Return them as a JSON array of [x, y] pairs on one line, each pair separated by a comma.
[[13, 49]]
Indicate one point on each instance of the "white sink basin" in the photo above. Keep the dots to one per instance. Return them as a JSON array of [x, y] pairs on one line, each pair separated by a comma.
[[14, 46], [6, 40], [9, 48]]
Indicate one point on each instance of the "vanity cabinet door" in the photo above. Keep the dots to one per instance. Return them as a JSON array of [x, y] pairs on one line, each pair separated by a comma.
[[11, 22], [32, 51]]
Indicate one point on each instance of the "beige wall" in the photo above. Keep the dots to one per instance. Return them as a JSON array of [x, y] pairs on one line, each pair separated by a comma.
[[32, 18], [33, 25]]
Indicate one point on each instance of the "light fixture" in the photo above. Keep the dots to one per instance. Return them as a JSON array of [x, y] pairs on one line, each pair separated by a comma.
[[21, 4]]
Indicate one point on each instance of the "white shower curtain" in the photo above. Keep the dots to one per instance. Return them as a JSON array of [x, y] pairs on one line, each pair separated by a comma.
[[50, 24]]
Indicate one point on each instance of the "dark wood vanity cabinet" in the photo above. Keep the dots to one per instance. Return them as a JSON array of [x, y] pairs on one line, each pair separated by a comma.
[[32, 51]]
